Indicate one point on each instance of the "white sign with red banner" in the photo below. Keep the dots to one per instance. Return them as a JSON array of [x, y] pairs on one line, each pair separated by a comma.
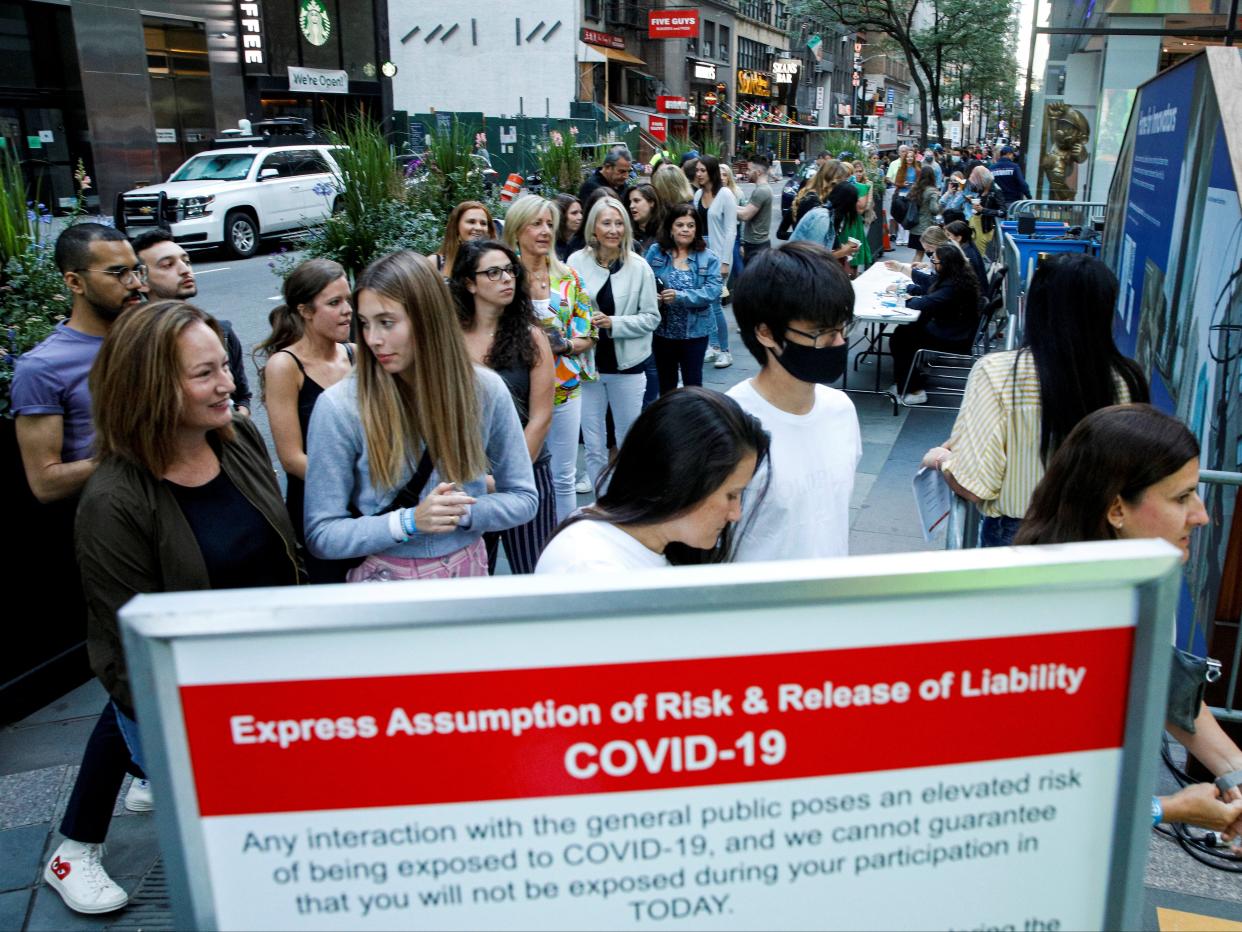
[[673, 24], [673, 105], [923, 741], [657, 126]]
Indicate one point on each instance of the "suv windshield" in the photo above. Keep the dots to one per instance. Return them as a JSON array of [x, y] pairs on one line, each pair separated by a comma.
[[215, 168]]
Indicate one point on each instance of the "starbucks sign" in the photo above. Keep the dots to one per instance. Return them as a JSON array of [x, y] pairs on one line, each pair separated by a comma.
[[314, 21]]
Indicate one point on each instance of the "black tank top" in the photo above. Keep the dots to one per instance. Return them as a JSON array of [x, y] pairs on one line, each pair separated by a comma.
[[308, 394]]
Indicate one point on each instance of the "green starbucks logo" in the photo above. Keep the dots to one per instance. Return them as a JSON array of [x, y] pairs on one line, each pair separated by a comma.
[[314, 21]]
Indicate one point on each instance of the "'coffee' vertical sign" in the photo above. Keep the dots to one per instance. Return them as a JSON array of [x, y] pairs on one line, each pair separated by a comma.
[[250, 37]]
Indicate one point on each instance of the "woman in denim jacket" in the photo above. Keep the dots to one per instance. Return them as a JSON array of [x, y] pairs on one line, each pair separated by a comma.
[[688, 278]]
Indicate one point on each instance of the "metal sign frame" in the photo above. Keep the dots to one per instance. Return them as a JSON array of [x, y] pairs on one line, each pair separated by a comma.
[[153, 623]]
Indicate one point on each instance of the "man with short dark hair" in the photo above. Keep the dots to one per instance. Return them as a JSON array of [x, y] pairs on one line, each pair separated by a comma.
[[756, 215], [51, 399], [170, 276], [794, 305], [612, 175], [1007, 175], [56, 435]]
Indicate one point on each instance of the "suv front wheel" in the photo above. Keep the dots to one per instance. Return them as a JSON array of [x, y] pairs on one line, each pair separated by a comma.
[[241, 234]]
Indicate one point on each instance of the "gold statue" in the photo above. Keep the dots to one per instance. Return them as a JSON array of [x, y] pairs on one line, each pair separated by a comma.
[[1067, 132]]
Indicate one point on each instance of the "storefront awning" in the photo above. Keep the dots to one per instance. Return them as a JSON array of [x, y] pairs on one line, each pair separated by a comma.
[[589, 52]]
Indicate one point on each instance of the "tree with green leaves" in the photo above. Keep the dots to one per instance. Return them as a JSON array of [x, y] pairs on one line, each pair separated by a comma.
[[941, 40]]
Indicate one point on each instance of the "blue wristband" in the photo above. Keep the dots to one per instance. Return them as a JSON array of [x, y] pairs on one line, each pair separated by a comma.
[[1157, 811], [407, 522]]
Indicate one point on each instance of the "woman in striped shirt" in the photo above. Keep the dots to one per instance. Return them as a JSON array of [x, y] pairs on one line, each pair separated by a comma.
[[1020, 405]]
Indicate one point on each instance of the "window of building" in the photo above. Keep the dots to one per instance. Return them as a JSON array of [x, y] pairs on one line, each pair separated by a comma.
[[593, 9], [708, 34], [752, 55], [782, 15], [724, 43]]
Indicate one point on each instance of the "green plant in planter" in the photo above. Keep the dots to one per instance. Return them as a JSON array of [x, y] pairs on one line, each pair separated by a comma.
[[560, 163], [33, 296], [380, 208], [33, 299]]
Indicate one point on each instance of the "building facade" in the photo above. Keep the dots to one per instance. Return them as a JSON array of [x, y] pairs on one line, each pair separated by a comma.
[[131, 91]]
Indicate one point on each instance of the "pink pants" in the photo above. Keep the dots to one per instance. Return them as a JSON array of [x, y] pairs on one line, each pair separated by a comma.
[[469, 561]]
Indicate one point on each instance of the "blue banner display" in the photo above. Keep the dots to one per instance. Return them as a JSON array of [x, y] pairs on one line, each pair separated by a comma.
[[1178, 256]]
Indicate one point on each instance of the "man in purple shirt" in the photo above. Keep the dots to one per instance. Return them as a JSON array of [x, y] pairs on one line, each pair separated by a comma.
[[51, 399], [52, 402]]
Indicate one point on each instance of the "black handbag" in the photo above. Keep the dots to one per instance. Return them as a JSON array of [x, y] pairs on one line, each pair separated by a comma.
[[409, 494], [1187, 684]]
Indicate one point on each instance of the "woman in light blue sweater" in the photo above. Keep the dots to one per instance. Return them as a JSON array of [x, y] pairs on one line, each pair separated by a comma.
[[419, 452]]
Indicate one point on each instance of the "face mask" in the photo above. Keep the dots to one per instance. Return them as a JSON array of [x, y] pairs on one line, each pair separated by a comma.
[[808, 364]]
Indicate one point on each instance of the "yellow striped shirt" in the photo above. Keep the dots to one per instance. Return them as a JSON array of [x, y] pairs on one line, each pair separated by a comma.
[[995, 440]]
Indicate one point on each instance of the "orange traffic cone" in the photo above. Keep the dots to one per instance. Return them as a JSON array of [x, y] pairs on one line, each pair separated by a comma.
[[513, 184]]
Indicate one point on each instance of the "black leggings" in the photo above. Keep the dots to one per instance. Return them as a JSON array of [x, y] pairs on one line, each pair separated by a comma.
[[672, 356], [104, 765]]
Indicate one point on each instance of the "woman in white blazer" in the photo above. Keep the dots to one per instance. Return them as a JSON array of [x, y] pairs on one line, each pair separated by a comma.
[[717, 209], [623, 291]]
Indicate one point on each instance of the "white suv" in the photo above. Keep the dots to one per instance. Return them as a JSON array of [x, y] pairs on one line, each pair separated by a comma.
[[234, 197]]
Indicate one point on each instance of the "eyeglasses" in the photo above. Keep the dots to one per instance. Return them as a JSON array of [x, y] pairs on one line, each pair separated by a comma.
[[496, 271], [820, 338], [138, 273]]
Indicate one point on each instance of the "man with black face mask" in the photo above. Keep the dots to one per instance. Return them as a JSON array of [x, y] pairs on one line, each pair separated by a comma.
[[794, 305]]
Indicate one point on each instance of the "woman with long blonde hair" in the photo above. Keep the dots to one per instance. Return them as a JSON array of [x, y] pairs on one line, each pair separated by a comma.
[[831, 190], [672, 185], [419, 452], [563, 307]]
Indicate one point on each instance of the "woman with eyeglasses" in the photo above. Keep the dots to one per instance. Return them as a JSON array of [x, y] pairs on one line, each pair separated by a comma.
[[563, 306], [496, 316], [625, 313]]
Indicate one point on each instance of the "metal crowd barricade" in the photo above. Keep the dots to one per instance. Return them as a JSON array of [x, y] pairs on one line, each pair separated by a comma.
[[1074, 213], [962, 533]]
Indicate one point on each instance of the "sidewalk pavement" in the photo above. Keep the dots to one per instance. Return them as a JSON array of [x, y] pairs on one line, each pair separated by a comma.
[[39, 755]]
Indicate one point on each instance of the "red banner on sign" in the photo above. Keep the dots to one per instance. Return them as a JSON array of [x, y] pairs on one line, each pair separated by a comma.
[[673, 24], [657, 127], [512, 734], [674, 105], [606, 39]]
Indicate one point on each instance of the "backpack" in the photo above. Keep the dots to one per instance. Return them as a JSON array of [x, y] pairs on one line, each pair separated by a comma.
[[910, 218]]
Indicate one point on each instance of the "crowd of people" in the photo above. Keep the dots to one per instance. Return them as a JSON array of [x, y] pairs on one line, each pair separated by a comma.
[[431, 414]]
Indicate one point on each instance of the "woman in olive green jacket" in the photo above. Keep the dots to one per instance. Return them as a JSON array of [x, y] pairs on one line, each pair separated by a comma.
[[184, 498]]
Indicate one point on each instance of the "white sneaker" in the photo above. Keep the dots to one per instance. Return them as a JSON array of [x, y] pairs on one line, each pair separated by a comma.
[[139, 798], [584, 486], [915, 398], [76, 872], [724, 359], [711, 354]]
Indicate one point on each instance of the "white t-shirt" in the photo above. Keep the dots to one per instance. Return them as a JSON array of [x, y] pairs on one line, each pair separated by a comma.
[[595, 547], [806, 509]]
